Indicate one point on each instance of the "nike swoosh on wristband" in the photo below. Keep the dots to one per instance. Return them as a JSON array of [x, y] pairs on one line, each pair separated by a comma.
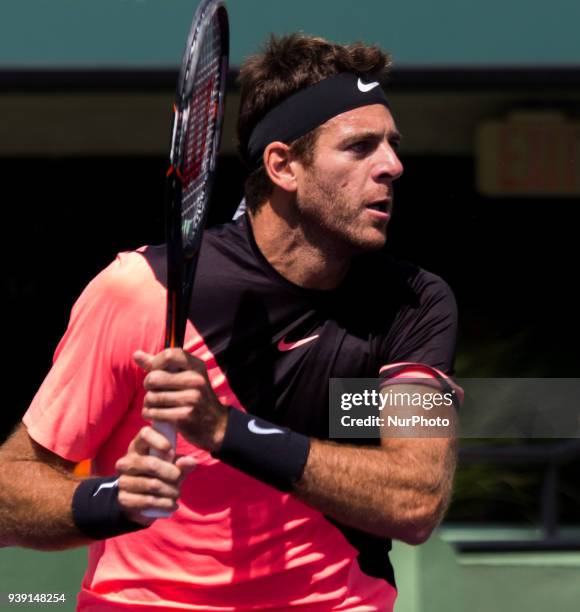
[[255, 428], [107, 485], [288, 346], [364, 87]]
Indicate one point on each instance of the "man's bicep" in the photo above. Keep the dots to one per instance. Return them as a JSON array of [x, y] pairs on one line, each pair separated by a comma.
[[427, 333], [94, 382], [21, 447]]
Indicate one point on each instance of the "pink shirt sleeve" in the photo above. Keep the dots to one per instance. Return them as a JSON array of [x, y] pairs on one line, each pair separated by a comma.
[[93, 382]]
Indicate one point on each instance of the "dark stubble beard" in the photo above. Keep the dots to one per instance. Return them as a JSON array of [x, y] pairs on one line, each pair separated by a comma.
[[328, 220]]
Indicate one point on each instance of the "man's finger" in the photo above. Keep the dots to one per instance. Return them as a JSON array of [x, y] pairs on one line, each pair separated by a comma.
[[148, 438], [148, 486], [134, 503], [186, 464], [172, 399], [143, 360], [174, 381], [148, 465], [177, 359], [177, 415]]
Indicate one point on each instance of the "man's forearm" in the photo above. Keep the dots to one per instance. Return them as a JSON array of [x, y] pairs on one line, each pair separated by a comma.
[[35, 507], [399, 492]]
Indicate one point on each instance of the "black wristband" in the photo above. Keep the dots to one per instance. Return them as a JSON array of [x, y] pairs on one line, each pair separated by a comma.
[[273, 454], [96, 510]]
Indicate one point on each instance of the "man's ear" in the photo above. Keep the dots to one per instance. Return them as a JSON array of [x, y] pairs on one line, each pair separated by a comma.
[[277, 164]]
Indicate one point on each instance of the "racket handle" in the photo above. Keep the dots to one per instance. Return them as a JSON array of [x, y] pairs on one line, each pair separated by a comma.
[[169, 431]]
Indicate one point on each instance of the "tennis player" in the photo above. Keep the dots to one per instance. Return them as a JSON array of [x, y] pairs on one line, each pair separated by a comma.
[[268, 513]]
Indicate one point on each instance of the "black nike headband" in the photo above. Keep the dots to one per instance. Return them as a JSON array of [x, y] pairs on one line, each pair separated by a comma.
[[310, 107]]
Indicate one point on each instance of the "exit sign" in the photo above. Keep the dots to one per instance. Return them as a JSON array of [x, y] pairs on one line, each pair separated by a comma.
[[529, 153]]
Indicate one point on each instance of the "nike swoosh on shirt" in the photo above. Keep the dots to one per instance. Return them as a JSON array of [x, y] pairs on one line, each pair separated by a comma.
[[364, 87], [107, 485], [255, 428], [288, 346]]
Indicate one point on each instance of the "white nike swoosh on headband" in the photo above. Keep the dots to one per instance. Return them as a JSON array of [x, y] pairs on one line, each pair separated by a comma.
[[364, 87], [107, 485], [255, 428]]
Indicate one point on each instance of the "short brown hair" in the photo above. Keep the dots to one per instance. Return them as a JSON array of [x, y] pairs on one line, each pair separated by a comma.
[[286, 65]]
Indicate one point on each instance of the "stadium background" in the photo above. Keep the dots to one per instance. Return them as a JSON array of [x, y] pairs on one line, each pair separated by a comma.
[[486, 96]]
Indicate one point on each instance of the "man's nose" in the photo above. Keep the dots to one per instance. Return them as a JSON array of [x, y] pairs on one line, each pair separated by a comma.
[[388, 163]]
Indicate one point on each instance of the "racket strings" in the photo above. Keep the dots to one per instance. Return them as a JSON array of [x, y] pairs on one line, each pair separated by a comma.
[[200, 118]]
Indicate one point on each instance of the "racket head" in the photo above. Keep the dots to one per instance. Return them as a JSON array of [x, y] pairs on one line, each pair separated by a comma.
[[196, 134]]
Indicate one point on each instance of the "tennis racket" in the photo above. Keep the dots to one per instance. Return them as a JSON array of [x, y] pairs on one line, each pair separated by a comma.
[[197, 122]]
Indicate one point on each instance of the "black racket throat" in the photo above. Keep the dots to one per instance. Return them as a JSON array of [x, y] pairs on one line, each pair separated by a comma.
[[179, 290], [181, 269]]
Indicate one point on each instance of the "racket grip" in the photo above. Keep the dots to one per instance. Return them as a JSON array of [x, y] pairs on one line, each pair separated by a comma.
[[169, 431]]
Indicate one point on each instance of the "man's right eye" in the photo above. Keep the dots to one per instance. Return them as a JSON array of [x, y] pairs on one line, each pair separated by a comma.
[[360, 147]]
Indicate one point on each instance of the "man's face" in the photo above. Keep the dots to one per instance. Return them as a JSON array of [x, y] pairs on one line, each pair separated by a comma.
[[345, 198]]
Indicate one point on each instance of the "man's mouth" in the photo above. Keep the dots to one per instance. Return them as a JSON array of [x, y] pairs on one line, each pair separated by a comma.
[[380, 206]]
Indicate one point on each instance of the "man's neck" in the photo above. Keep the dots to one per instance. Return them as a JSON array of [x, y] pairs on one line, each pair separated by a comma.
[[282, 242]]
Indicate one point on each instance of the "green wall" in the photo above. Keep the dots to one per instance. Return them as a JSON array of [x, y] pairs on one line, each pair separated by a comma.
[[151, 33], [28, 571]]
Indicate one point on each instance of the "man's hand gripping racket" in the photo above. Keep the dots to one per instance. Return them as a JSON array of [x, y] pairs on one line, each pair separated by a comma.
[[198, 114]]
